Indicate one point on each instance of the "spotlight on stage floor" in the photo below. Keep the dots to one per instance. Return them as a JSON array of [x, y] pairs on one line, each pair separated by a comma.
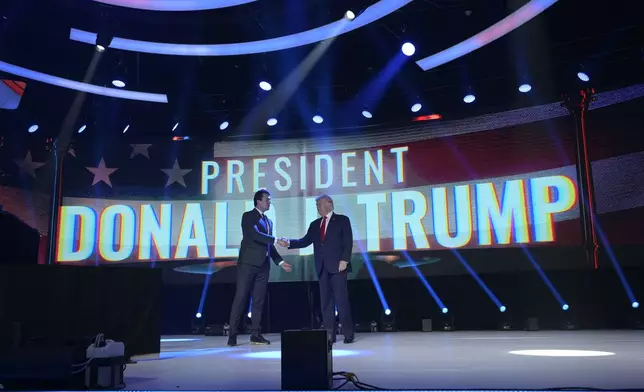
[[388, 322]]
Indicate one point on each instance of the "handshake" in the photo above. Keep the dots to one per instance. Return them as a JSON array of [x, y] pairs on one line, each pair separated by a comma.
[[283, 241]]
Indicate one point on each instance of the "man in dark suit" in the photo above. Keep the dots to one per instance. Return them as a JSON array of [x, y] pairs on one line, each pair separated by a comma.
[[253, 267], [332, 240]]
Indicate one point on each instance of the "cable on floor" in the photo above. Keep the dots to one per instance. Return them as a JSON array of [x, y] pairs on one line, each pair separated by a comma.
[[349, 377]]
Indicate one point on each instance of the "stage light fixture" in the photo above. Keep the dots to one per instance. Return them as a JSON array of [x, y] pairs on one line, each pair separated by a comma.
[[387, 312], [126, 128], [408, 49], [250, 314], [318, 119], [265, 86], [367, 114], [524, 88], [583, 76], [502, 309], [198, 315], [565, 307], [271, 121], [444, 310], [175, 127], [350, 15], [82, 129], [224, 125], [635, 305], [118, 83], [388, 322], [469, 98], [415, 108], [103, 41], [32, 128]]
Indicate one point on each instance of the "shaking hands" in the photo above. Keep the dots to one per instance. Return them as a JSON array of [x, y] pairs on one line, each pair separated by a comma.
[[283, 241]]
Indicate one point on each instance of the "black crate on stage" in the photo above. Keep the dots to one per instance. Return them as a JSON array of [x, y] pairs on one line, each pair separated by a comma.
[[307, 362]]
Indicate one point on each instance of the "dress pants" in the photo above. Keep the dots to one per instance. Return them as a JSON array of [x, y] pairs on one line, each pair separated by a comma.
[[249, 279], [334, 292]]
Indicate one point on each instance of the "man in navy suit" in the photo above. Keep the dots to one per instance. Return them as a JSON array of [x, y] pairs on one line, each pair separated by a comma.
[[253, 267], [332, 240]]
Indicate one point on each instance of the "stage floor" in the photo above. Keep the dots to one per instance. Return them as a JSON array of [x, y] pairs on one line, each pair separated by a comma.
[[409, 360]]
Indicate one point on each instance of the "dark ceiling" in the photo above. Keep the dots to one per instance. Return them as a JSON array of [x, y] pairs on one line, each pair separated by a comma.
[[604, 40]]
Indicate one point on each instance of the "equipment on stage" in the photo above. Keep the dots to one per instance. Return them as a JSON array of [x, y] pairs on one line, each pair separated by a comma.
[[105, 364], [427, 325], [307, 361], [532, 324], [216, 330]]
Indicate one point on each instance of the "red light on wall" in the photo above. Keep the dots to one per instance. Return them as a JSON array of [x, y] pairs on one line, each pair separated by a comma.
[[428, 117]]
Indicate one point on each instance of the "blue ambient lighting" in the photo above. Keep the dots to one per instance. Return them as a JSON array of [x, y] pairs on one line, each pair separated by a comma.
[[318, 119], [224, 125], [416, 107], [367, 114], [176, 340], [583, 76], [82, 129], [469, 98], [502, 309], [278, 354], [408, 49], [32, 128], [524, 88], [80, 86], [271, 121], [492, 33], [334, 29], [175, 5]]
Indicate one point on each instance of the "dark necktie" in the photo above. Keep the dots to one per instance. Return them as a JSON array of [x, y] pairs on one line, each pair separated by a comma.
[[323, 229]]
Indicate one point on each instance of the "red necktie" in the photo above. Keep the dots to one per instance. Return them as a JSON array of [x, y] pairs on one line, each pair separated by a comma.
[[323, 229]]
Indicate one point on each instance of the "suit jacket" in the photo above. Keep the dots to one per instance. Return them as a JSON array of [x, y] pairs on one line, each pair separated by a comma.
[[257, 242], [337, 245]]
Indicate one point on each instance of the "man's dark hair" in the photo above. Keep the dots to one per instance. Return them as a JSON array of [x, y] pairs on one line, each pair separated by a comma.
[[259, 195]]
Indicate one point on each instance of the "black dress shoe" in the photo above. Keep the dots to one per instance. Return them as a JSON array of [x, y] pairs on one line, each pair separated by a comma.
[[232, 340], [349, 340], [259, 340]]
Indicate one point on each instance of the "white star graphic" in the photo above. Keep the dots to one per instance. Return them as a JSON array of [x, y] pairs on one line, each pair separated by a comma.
[[140, 149], [28, 165], [101, 173], [176, 174]]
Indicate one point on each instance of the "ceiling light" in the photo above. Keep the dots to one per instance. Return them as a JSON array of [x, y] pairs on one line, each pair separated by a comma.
[[32, 128], [350, 15], [82, 129], [265, 86], [524, 88], [469, 98], [126, 128], [408, 49], [367, 114], [224, 125], [271, 121], [118, 83], [416, 107], [583, 76], [318, 119]]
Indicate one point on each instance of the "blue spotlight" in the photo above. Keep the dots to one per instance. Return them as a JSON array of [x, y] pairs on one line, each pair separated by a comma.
[[198, 315], [265, 86], [524, 88], [318, 119], [175, 127], [502, 309], [583, 76], [118, 83], [565, 307], [367, 114], [445, 310], [408, 49], [82, 129], [387, 312], [416, 107], [224, 125], [350, 15], [271, 121], [32, 128], [635, 305], [249, 314], [469, 98]]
